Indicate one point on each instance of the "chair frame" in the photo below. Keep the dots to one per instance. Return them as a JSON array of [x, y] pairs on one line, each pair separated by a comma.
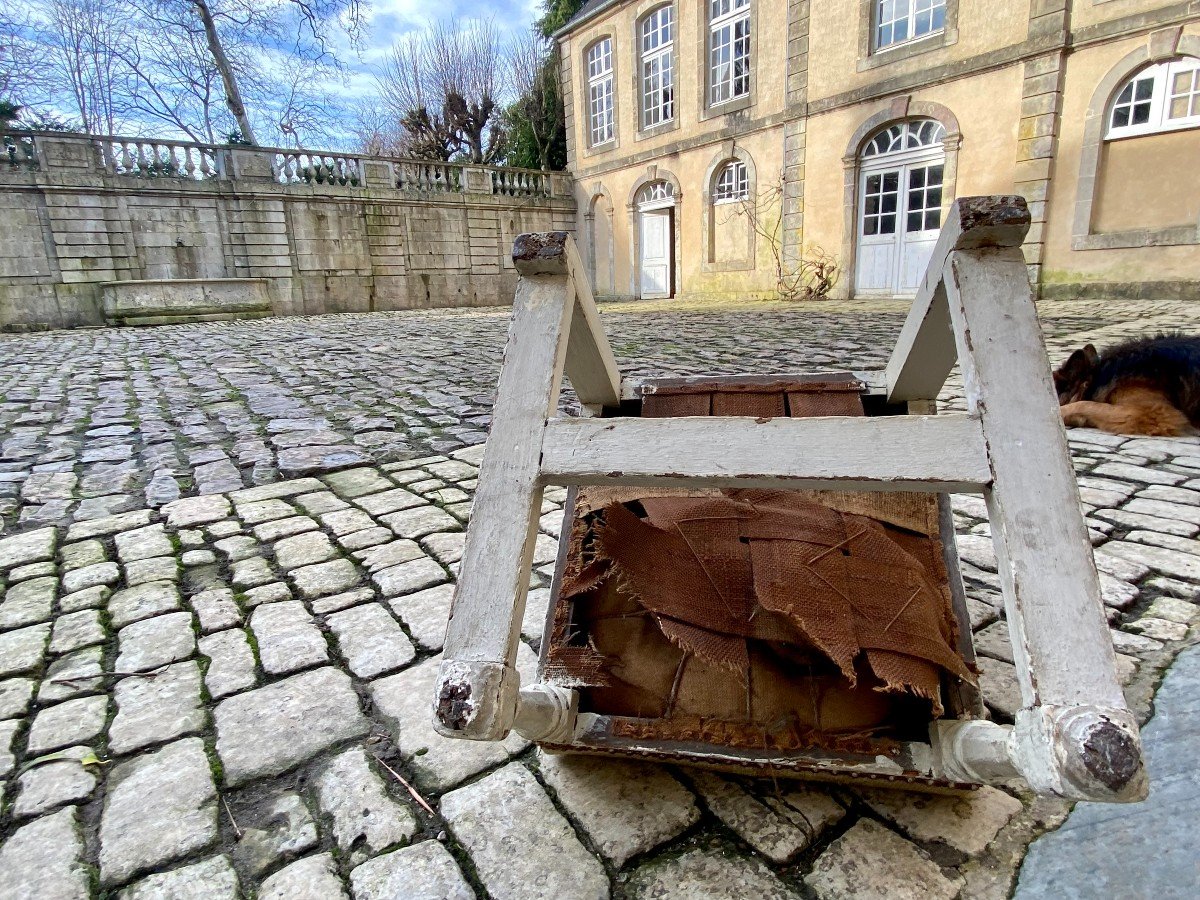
[[1073, 737]]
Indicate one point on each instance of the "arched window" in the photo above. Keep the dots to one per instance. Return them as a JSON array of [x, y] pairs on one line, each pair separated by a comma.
[[732, 183], [658, 67], [600, 91], [656, 192], [1164, 97], [905, 136], [728, 50]]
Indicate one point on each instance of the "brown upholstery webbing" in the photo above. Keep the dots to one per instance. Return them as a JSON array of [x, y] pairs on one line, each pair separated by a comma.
[[756, 607]]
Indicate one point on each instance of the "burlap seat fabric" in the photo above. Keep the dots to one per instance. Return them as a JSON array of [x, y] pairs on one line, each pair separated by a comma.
[[791, 612]]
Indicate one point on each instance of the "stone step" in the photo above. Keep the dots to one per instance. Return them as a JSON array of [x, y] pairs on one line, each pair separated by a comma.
[[174, 301]]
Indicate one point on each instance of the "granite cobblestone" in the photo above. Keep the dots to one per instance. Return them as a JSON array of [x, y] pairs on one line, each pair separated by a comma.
[[301, 740]]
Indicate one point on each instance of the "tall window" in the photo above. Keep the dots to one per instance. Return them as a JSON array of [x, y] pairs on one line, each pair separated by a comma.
[[897, 21], [1164, 97], [658, 67], [732, 183], [728, 50], [600, 91]]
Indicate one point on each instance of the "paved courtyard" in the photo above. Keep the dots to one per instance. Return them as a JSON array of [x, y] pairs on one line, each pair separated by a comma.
[[227, 556]]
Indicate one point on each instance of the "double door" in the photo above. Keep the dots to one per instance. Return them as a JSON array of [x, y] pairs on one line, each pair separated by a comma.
[[900, 215]]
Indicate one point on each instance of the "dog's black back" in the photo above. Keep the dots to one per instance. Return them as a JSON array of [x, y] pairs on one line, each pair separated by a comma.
[[1169, 363]]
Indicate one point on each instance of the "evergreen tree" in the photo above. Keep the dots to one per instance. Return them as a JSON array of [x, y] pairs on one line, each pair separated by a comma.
[[536, 121]]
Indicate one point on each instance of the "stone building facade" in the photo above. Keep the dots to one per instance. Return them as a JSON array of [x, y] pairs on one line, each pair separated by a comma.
[[710, 137], [82, 216]]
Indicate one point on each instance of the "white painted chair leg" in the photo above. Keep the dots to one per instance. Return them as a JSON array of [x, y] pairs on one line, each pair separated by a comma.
[[477, 687], [1074, 735], [555, 328]]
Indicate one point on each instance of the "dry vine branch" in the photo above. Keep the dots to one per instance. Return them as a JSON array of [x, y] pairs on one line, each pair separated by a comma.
[[809, 275]]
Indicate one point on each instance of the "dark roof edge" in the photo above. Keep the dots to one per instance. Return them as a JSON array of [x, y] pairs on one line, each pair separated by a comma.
[[584, 15]]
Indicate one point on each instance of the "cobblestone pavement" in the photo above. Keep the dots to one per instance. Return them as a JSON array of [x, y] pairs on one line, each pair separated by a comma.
[[227, 562]]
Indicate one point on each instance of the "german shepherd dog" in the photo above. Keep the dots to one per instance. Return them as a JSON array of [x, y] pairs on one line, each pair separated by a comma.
[[1148, 386]]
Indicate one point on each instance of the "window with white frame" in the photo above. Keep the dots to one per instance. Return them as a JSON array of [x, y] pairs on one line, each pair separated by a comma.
[[656, 192], [658, 67], [600, 91], [732, 183], [899, 21], [1164, 97], [728, 50]]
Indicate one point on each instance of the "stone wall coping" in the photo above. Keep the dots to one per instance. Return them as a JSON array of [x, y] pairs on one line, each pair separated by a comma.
[[136, 282]]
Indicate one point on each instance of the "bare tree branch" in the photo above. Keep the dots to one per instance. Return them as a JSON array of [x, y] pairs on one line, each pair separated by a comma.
[[22, 80], [82, 40], [812, 273], [533, 63], [443, 86]]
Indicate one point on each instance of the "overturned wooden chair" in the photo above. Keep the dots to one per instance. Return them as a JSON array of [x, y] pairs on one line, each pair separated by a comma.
[[1073, 736]]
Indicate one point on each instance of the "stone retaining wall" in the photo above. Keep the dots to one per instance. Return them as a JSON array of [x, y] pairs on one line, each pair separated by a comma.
[[330, 233]]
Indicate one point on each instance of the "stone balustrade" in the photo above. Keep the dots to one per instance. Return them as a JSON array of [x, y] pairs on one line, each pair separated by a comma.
[[330, 232], [140, 158], [49, 151]]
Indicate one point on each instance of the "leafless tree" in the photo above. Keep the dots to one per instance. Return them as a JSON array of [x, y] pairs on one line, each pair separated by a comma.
[[444, 87], [194, 65], [297, 104], [377, 132], [83, 41], [306, 25], [171, 77], [19, 76]]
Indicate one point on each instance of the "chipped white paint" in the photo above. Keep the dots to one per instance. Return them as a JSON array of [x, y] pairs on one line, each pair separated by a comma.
[[926, 453], [1074, 737]]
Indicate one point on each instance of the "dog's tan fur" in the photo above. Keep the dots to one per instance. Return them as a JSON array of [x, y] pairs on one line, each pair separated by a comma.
[[1148, 385], [1133, 409]]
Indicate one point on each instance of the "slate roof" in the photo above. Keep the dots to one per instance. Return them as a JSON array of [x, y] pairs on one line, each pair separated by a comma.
[[584, 12]]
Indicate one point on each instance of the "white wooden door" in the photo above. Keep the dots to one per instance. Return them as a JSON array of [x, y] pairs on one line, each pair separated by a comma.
[[878, 223], [900, 216], [922, 221], [656, 253]]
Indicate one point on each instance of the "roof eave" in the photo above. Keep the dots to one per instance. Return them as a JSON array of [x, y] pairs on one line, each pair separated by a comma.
[[576, 22]]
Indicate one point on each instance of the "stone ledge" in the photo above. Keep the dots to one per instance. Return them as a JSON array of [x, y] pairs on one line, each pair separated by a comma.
[[172, 301]]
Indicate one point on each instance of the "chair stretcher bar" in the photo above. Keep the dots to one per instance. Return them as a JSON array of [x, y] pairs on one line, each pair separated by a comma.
[[911, 453]]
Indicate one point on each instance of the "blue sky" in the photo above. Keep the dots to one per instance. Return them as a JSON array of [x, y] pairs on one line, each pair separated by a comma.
[[389, 20]]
